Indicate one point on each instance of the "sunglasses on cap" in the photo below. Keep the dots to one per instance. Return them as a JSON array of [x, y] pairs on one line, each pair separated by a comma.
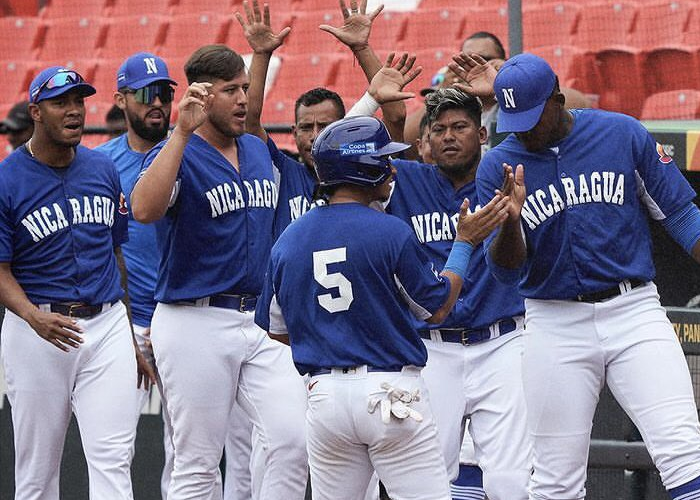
[[56, 81], [148, 94]]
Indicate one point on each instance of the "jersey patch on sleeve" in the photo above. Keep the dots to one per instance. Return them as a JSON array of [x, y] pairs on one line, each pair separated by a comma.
[[123, 209], [663, 156]]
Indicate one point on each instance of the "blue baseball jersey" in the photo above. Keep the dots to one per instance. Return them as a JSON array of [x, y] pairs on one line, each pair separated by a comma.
[[216, 236], [584, 217], [59, 227], [141, 251], [344, 281], [296, 188], [427, 201]]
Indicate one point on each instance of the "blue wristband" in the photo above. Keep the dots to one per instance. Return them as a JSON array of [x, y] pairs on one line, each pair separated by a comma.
[[458, 260], [684, 226]]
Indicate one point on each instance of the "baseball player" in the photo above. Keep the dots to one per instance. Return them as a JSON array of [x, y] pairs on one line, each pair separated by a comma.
[[577, 242], [144, 96], [345, 300], [480, 343], [210, 186], [66, 341], [18, 125]]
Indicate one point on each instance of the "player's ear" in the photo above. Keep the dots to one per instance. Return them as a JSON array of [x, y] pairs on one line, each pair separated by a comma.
[[483, 135], [35, 112], [120, 100]]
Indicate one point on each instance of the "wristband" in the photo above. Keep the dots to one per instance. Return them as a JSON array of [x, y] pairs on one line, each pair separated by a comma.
[[366, 106], [458, 260]]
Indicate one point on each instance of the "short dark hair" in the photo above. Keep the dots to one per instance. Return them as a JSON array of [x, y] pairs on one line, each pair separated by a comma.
[[496, 41], [115, 113], [212, 62], [317, 96], [441, 100]]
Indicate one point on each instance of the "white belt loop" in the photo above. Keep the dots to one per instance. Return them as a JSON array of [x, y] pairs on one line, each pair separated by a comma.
[[495, 330], [44, 307], [203, 302], [435, 336]]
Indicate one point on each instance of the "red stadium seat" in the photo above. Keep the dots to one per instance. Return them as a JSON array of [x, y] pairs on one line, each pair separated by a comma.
[[661, 24], [432, 28], [459, 4], [671, 68], [691, 36], [19, 36], [105, 78], [570, 63], [307, 38], [387, 30], [128, 35], [56, 9], [431, 60], [188, 32], [16, 77], [552, 24], [222, 7], [96, 110], [278, 111], [605, 25], [620, 80], [491, 19], [350, 81], [71, 38], [672, 105], [141, 7], [299, 73]]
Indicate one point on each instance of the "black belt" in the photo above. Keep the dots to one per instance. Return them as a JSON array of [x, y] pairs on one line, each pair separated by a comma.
[[466, 336], [79, 310], [609, 293], [241, 303], [347, 369]]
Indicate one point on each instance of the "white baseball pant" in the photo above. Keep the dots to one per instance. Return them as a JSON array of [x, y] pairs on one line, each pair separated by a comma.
[[95, 381], [571, 350], [346, 443], [209, 357], [482, 381]]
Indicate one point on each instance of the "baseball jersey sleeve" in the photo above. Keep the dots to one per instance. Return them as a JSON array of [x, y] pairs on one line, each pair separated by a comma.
[[5, 225], [148, 159], [419, 283], [268, 314], [661, 186]]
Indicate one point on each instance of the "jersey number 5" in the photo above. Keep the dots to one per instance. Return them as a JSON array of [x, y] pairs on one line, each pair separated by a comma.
[[332, 280]]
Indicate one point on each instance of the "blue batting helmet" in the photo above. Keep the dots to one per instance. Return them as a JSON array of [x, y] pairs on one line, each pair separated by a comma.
[[354, 151]]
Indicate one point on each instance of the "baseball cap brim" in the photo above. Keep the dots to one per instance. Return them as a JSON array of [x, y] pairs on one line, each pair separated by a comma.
[[391, 148], [12, 124], [519, 122], [85, 90], [139, 84]]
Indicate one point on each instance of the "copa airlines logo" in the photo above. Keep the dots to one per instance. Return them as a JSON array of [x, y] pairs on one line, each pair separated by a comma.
[[436, 226], [50, 219], [228, 197], [597, 187], [358, 148], [508, 98]]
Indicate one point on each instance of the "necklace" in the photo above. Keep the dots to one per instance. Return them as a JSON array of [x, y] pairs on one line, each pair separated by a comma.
[[29, 147]]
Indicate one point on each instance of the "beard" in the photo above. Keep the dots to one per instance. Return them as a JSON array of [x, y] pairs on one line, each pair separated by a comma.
[[152, 134]]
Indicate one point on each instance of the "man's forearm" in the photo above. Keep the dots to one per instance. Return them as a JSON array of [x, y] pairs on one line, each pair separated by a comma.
[[256, 92], [11, 294], [508, 247]]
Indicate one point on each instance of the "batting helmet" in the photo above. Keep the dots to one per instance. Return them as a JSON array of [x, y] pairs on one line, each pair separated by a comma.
[[355, 151]]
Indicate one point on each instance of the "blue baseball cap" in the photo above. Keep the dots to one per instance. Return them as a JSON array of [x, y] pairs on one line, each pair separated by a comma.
[[56, 81], [141, 69], [523, 85]]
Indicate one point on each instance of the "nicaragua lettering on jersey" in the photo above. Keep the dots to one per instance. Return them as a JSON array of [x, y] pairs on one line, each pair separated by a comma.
[[424, 198], [59, 227], [347, 296], [141, 253], [584, 218], [217, 235], [296, 188]]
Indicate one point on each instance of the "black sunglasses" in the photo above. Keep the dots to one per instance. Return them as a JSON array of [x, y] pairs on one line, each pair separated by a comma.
[[148, 94]]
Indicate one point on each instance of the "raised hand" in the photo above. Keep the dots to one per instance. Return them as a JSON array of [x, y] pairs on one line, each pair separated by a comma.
[[257, 30], [475, 74], [192, 108], [357, 24], [56, 329], [388, 83], [514, 189], [473, 228]]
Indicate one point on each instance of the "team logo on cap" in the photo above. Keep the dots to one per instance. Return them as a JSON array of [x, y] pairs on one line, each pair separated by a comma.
[[664, 157], [508, 98], [358, 148], [123, 210]]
